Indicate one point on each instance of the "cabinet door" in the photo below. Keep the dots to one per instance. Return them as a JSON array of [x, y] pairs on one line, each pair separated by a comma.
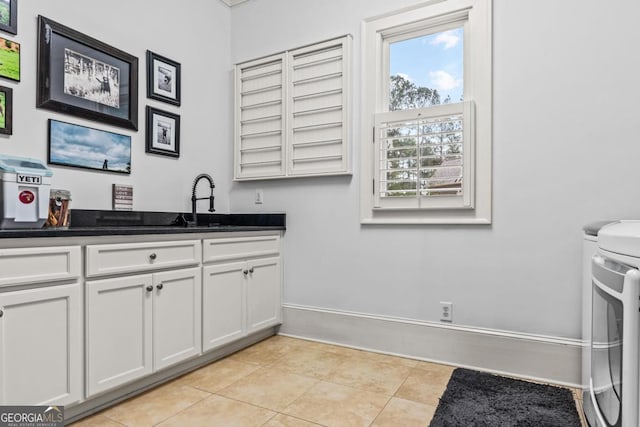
[[41, 346], [223, 295], [263, 294], [118, 331], [177, 324]]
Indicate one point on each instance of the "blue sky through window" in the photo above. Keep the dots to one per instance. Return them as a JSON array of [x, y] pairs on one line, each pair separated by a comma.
[[433, 61]]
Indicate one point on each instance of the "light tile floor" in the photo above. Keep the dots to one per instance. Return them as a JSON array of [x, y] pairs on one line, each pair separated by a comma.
[[289, 382]]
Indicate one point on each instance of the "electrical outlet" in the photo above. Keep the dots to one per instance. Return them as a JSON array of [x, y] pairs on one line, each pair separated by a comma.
[[259, 197], [446, 311]]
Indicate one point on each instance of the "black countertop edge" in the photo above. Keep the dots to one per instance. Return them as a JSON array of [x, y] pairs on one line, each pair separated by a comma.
[[126, 231], [113, 223]]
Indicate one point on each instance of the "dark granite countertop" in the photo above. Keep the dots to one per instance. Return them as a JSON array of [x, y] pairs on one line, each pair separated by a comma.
[[113, 223]]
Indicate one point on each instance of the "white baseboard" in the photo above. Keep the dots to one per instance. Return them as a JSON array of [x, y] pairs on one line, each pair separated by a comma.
[[540, 358]]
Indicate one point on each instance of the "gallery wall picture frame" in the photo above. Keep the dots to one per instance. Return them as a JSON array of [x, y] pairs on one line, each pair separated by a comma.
[[9, 16], [84, 77], [163, 79], [88, 148], [163, 133], [9, 59], [6, 110]]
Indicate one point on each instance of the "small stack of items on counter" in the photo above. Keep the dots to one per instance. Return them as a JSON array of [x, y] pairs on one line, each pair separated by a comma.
[[59, 212]]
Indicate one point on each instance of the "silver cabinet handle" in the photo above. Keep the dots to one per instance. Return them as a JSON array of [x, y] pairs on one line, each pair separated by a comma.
[[153, 256], [251, 270], [149, 288], [1, 312], [245, 272], [160, 286]]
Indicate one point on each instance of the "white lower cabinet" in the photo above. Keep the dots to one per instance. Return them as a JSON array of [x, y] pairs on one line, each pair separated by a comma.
[[242, 296], [263, 293], [177, 316], [147, 306], [223, 300], [140, 324], [119, 331], [41, 346]]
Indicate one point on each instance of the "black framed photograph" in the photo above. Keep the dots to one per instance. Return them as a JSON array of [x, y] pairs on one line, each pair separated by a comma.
[[84, 77], [9, 16], [163, 79], [88, 148], [9, 59], [163, 132], [6, 110]]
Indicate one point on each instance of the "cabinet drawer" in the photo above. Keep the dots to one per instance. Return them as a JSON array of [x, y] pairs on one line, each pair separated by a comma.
[[132, 257], [240, 247], [36, 265]]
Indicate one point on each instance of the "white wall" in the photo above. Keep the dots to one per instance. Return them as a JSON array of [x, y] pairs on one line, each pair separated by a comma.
[[195, 35], [565, 153]]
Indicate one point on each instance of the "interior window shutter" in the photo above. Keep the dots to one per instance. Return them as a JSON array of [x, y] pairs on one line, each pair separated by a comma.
[[424, 158], [260, 118], [318, 108]]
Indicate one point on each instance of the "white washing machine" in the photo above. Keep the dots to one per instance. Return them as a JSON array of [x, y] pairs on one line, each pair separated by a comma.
[[612, 397], [589, 249]]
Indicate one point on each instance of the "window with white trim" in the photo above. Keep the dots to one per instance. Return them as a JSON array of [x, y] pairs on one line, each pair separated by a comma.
[[427, 104]]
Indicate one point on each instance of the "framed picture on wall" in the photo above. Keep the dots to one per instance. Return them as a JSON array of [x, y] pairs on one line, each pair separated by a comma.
[[9, 59], [84, 77], [6, 110], [88, 148], [163, 79], [163, 132], [9, 16]]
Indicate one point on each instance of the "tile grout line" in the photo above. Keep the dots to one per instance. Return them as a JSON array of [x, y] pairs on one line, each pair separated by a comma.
[[317, 381], [110, 419], [381, 410], [301, 419], [264, 407], [403, 382], [270, 418], [245, 402], [184, 409], [230, 384], [391, 397]]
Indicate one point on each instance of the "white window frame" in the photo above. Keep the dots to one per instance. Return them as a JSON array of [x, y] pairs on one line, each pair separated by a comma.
[[427, 18]]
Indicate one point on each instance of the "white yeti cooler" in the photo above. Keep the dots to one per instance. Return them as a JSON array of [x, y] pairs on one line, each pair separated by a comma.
[[24, 192]]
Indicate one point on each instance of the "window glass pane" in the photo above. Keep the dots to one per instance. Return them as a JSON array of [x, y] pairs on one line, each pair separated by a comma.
[[426, 70]]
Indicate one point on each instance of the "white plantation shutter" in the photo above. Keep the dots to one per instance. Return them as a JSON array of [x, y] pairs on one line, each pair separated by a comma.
[[260, 121], [292, 113], [318, 108], [424, 158]]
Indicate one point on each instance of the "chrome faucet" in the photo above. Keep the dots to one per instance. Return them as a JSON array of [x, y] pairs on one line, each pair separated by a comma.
[[194, 199]]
